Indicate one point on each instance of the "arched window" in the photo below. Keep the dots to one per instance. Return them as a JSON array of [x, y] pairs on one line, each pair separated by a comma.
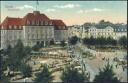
[[15, 26], [50, 23]]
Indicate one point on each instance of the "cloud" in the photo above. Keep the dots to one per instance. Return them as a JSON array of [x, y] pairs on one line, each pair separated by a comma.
[[25, 7], [91, 10], [80, 11], [97, 10], [67, 6], [50, 10], [13, 8]]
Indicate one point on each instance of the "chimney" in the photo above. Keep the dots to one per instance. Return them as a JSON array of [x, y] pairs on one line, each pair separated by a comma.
[[36, 12]]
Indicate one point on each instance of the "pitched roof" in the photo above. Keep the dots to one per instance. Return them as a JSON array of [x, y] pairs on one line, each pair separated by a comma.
[[32, 17], [35, 16], [59, 24], [12, 21]]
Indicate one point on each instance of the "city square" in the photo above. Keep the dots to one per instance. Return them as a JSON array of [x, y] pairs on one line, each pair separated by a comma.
[[36, 47]]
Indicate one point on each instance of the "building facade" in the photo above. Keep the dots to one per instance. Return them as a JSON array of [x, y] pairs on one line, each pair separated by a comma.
[[31, 29], [60, 30], [82, 32], [106, 32], [121, 31]]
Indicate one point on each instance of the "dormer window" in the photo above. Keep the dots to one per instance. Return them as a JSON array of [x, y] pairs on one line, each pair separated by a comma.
[[42, 23], [20, 27], [63, 27], [10, 26], [2, 27], [33, 23], [37, 23], [50, 23], [46, 23], [28, 22], [60, 27], [15, 26]]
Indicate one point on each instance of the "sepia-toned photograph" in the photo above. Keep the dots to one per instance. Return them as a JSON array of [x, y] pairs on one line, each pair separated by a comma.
[[63, 41]]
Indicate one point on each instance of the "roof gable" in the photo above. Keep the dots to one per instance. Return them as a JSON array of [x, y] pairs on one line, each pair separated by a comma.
[[59, 24]]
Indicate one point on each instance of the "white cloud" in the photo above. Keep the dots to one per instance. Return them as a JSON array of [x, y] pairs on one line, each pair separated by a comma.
[[13, 8], [25, 7], [80, 11], [67, 6], [50, 10], [97, 10], [91, 10]]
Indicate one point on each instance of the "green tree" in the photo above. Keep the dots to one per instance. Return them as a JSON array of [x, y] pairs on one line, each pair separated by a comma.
[[92, 41], [26, 70], [123, 41], [17, 55], [111, 41], [45, 76], [4, 79], [106, 75], [72, 75], [36, 47], [63, 43], [8, 50], [52, 42], [27, 50], [101, 41], [73, 40], [14, 60]]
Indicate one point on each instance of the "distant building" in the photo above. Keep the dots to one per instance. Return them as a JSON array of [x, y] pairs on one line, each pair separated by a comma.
[[82, 31], [120, 31], [75, 31], [31, 29], [106, 32], [60, 31]]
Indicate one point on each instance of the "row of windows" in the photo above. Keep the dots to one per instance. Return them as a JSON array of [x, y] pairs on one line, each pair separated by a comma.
[[11, 37], [13, 27], [103, 33], [107, 30], [37, 36], [5, 32], [39, 23], [121, 29], [99, 30], [38, 30]]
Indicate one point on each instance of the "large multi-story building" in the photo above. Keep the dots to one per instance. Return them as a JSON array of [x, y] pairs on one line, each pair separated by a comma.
[[75, 30], [31, 29], [120, 31], [106, 32], [82, 32]]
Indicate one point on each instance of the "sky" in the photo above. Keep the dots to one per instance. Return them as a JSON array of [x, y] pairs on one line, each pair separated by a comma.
[[71, 12]]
